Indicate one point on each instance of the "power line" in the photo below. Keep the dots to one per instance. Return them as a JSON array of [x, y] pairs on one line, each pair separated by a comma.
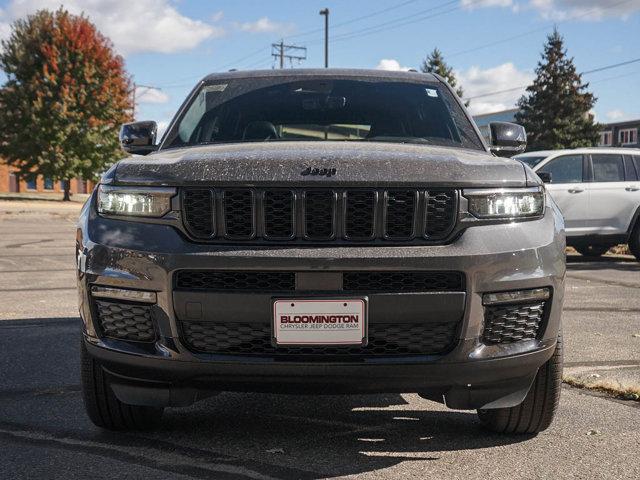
[[279, 52], [587, 72], [535, 30], [402, 21], [134, 92], [600, 80], [355, 19], [628, 62], [222, 67]]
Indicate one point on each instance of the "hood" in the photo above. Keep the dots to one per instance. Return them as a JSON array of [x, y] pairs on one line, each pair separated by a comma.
[[355, 164]]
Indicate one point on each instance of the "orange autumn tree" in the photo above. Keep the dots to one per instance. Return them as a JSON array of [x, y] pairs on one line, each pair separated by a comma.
[[65, 97]]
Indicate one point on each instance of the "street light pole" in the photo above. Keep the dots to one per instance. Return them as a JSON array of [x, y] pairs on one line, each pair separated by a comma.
[[325, 13]]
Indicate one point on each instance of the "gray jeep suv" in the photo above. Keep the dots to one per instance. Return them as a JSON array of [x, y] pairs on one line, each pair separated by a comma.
[[321, 231]]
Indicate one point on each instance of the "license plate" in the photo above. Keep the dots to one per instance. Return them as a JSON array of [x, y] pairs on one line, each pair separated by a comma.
[[319, 322]]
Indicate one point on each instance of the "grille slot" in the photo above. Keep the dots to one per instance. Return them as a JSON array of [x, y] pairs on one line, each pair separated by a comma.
[[359, 281], [255, 339], [199, 212], [210, 280], [278, 214], [305, 215], [400, 213], [125, 321], [360, 214], [239, 214], [512, 323], [319, 214], [440, 213], [403, 281]]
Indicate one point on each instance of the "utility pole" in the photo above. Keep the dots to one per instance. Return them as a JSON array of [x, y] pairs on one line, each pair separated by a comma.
[[325, 13], [136, 86], [282, 51]]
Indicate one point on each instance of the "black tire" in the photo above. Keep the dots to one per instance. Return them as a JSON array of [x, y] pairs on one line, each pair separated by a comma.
[[592, 250], [103, 407], [634, 241], [536, 412]]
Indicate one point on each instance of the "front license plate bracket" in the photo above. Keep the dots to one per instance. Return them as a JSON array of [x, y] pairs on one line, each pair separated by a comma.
[[319, 322]]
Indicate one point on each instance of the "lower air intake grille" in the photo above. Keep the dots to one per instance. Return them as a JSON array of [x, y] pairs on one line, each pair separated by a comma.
[[212, 280], [255, 339], [125, 321], [512, 323], [356, 282], [403, 281]]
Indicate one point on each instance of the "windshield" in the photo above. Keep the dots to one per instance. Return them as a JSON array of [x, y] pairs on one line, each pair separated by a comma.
[[289, 109], [531, 160]]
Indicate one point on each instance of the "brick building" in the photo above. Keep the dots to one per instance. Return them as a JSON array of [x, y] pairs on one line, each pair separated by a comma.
[[9, 183], [620, 134]]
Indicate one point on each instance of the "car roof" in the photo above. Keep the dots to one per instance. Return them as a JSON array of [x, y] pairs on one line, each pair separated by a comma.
[[548, 153], [322, 72]]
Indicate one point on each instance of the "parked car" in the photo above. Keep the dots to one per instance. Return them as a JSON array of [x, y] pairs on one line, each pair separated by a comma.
[[321, 231], [598, 192]]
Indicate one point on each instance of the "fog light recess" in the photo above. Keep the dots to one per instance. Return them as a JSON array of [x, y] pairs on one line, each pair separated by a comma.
[[516, 296], [123, 294]]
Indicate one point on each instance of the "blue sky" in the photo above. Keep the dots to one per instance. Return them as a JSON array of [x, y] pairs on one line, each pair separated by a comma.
[[492, 44]]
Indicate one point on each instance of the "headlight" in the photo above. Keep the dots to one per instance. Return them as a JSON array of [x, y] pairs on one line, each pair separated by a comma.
[[506, 203], [134, 201]]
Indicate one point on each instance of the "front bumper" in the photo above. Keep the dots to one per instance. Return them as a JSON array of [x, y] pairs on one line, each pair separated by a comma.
[[144, 256]]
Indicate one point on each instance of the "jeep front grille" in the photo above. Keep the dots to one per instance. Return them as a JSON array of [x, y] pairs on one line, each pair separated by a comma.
[[355, 281], [345, 215], [255, 339]]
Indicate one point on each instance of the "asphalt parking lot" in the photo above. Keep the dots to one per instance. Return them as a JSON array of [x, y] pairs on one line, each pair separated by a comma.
[[44, 432]]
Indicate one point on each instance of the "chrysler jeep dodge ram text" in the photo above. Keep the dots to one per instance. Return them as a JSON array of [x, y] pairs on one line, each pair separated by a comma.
[[321, 231]]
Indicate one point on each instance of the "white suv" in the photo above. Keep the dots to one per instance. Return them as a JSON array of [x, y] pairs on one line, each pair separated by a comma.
[[598, 192]]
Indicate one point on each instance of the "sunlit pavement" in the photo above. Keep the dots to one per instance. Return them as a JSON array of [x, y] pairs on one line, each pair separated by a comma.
[[45, 434]]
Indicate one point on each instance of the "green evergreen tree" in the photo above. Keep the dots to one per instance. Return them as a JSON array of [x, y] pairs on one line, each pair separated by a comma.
[[434, 63], [65, 97], [555, 108]]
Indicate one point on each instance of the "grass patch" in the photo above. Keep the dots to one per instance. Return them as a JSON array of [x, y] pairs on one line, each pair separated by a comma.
[[610, 387]]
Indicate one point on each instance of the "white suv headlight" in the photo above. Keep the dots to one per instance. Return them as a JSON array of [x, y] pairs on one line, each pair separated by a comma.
[[135, 201], [506, 203]]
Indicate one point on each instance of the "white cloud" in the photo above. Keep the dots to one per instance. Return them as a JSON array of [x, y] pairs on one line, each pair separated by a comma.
[[265, 25], [585, 9], [471, 4], [151, 95], [564, 9], [390, 64], [133, 26], [5, 27], [216, 17], [616, 114], [476, 81]]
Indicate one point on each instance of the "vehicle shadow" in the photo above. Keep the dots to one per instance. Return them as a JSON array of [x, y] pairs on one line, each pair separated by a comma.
[[327, 435], [629, 264]]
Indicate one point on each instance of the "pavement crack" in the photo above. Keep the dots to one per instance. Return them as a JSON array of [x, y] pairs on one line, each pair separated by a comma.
[[612, 283], [601, 309], [36, 392], [154, 454], [22, 244], [44, 289]]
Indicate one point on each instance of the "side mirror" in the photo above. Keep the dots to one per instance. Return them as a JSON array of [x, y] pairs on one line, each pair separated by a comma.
[[139, 137], [507, 139], [544, 176]]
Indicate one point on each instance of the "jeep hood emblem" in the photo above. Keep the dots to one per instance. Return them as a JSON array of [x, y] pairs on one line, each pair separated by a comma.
[[320, 172]]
